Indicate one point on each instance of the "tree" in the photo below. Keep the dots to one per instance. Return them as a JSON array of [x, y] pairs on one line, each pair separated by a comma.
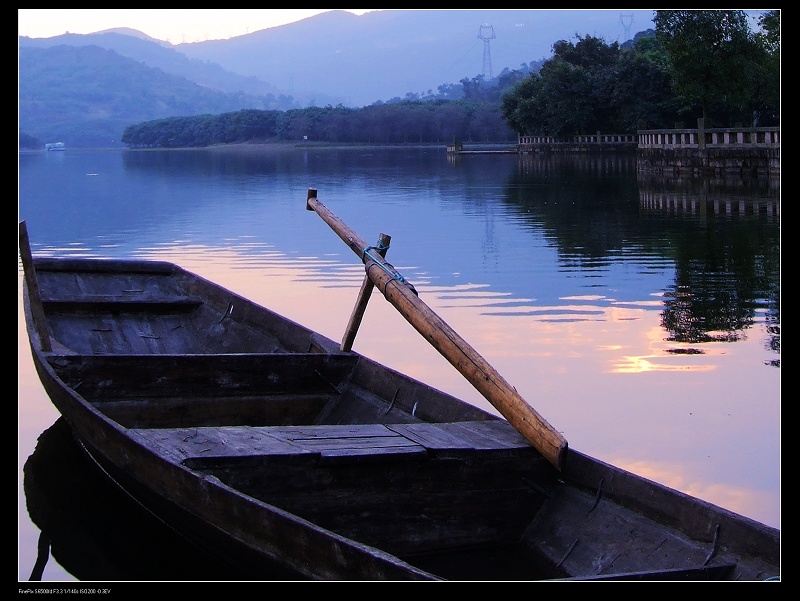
[[712, 56], [643, 88], [590, 86], [523, 107], [767, 97]]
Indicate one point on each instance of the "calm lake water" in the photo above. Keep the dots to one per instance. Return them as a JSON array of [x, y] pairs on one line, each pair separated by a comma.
[[639, 315]]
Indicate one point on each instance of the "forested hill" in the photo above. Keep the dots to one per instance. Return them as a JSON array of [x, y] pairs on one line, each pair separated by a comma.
[[160, 55], [86, 96]]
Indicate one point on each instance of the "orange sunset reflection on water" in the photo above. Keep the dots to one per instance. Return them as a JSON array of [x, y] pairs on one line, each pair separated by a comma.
[[601, 372]]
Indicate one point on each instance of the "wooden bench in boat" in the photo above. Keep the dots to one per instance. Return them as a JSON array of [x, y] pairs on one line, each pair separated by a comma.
[[100, 286], [332, 443], [407, 488]]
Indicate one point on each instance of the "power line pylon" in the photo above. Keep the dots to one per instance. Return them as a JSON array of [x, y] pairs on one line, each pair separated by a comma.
[[627, 21], [486, 33]]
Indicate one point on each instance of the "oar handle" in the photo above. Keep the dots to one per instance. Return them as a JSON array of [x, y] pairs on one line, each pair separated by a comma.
[[504, 397]]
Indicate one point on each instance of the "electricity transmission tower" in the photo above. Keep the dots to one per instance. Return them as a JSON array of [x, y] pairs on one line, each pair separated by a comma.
[[627, 21], [486, 33]]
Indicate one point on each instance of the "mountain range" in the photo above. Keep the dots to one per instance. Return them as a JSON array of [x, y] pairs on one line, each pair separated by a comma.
[[385, 54], [85, 89]]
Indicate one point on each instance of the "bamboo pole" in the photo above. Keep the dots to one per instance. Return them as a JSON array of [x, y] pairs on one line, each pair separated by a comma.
[[549, 442], [363, 299]]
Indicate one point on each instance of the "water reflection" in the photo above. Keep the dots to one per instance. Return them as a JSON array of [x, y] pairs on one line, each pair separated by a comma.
[[720, 236], [725, 277]]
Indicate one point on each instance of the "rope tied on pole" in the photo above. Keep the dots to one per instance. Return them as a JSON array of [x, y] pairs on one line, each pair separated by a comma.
[[371, 260]]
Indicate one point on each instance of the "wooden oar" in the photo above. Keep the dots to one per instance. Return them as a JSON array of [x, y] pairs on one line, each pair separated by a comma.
[[444, 339]]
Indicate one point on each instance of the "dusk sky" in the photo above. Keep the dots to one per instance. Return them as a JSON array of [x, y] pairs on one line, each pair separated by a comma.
[[173, 25]]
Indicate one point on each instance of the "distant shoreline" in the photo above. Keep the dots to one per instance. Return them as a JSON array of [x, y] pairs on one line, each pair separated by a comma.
[[244, 146], [282, 145]]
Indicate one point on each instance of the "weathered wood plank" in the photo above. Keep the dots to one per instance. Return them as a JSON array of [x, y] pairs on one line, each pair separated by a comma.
[[326, 440], [148, 376], [433, 436], [113, 266], [374, 454], [216, 442], [109, 302], [488, 434], [491, 433], [218, 410], [331, 432]]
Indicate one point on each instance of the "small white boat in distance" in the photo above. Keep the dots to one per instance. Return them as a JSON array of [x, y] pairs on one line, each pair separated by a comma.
[[55, 146]]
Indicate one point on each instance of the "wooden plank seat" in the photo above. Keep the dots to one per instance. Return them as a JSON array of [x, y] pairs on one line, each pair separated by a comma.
[[100, 286], [331, 443]]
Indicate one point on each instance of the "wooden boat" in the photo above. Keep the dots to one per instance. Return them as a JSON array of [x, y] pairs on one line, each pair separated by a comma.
[[270, 444]]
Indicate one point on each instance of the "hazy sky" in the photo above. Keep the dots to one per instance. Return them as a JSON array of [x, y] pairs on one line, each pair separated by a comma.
[[173, 25]]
